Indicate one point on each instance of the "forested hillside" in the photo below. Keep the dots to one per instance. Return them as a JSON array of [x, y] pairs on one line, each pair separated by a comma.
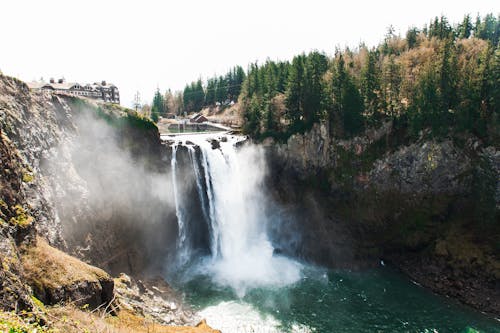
[[443, 77]]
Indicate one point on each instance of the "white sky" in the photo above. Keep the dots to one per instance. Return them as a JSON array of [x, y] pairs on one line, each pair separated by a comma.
[[139, 45]]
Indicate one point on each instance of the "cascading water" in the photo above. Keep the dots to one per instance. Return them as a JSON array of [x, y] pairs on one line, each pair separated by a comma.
[[230, 191], [241, 285], [181, 238]]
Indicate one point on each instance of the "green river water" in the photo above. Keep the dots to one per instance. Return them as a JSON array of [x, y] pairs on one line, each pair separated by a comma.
[[379, 300]]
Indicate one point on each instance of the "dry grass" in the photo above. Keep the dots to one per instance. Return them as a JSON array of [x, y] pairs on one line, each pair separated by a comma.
[[47, 266], [72, 319], [68, 319]]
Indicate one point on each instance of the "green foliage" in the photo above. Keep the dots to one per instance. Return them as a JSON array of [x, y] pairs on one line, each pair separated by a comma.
[[465, 28], [411, 37], [22, 218], [370, 86], [217, 90], [345, 111], [193, 97], [440, 28], [442, 79], [28, 177], [159, 107], [488, 28]]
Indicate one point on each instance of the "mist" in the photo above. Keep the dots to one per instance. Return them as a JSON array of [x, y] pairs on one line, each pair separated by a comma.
[[228, 183], [115, 205]]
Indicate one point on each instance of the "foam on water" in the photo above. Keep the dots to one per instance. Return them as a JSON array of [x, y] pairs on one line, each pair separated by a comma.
[[236, 317]]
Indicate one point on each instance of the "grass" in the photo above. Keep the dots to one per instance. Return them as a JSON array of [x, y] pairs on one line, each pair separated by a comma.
[[13, 323], [45, 266]]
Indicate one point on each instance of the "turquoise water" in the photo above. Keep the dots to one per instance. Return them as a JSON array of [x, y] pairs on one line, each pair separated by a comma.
[[379, 300]]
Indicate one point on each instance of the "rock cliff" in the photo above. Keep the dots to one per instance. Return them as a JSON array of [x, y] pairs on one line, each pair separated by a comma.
[[429, 207], [83, 179]]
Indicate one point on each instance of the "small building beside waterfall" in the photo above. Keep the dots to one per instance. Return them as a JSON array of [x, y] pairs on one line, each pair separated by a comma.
[[198, 118]]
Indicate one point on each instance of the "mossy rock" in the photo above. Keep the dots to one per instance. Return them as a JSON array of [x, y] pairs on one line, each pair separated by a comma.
[[22, 218]]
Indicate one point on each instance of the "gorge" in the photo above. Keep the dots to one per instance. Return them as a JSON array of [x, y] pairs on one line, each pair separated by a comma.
[[305, 235], [241, 288]]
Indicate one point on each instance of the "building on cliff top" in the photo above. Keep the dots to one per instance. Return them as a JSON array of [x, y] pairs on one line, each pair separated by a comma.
[[102, 91]]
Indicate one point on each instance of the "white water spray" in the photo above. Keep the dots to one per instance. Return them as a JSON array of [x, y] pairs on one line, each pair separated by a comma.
[[242, 254], [181, 241]]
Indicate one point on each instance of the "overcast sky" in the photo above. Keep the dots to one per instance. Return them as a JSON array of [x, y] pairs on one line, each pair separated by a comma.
[[139, 45]]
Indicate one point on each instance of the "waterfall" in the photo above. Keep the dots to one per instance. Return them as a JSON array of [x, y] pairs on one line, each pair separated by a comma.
[[231, 192], [181, 239], [198, 178]]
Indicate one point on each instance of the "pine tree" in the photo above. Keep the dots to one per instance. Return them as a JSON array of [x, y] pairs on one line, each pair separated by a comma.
[[392, 84], [465, 28], [315, 67], [158, 107], [221, 93], [370, 85], [295, 95], [411, 37], [252, 118], [211, 92], [345, 112]]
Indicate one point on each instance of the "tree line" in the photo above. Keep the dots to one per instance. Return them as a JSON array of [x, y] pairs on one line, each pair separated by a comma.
[[441, 77], [216, 91]]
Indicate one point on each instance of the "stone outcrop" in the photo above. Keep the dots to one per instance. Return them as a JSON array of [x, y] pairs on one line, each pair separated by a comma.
[[153, 298]]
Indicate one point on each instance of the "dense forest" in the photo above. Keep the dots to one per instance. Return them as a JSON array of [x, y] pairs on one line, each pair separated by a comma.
[[441, 77]]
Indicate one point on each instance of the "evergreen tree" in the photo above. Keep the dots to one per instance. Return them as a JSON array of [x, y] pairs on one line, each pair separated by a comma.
[[345, 111], [239, 77], [158, 107], [211, 92], [427, 101], [411, 37], [315, 67], [221, 92], [391, 86], [295, 95], [488, 29], [370, 85], [252, 117], [465, 28], [447, 73]]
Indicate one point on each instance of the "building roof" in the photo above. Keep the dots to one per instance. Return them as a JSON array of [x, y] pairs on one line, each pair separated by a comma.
[[66, 85]]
